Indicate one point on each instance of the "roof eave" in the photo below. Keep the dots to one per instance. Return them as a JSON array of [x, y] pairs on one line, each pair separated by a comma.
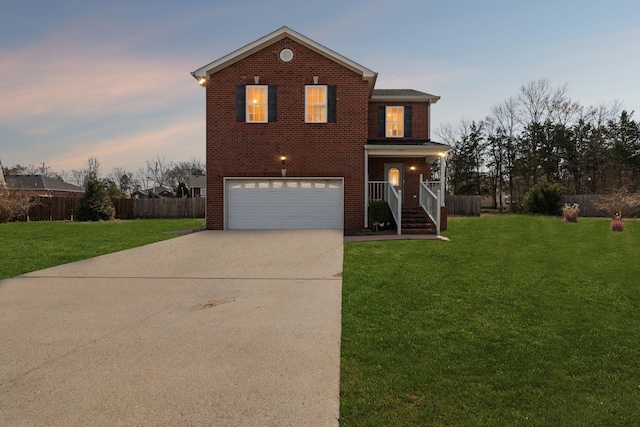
[[279, 34], [397, 150], [430, 99]]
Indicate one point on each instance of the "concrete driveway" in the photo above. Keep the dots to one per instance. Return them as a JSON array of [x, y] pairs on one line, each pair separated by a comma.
[[214, 328]]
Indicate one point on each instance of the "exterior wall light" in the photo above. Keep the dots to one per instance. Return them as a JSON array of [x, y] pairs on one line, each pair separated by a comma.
[[202, 81], [283, 170], [412, 168]]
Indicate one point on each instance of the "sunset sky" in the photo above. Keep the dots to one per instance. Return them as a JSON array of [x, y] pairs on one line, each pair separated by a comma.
[[111, 79]]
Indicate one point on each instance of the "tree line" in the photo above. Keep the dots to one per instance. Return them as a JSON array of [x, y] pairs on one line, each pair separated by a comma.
[[122, 182], [540, 135]]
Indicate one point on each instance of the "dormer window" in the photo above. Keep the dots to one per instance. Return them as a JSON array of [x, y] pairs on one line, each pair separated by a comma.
[[394, 123]]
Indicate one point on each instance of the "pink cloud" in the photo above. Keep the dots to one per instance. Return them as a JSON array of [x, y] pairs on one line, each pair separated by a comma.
[[181, 139], [60, 76]]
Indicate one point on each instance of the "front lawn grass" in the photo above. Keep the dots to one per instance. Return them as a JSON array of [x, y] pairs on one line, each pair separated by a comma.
[[518, 320], [30, 246]]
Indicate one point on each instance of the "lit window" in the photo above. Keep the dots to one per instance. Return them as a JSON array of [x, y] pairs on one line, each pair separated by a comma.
[[315, 104], [394, 177], [395, 122], [256, 104]]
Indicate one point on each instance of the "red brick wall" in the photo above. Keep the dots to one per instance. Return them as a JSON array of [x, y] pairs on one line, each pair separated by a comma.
[[419, 119], [312, 150]]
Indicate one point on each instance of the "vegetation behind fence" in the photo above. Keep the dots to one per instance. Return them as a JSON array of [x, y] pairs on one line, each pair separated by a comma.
[[63, 208]]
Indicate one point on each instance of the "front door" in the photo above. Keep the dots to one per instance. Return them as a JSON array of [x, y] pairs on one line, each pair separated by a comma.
[[394, 173]]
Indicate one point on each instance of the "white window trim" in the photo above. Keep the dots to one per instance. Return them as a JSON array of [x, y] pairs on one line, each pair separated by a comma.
[[386, 129], [326, 104], [248, 104]]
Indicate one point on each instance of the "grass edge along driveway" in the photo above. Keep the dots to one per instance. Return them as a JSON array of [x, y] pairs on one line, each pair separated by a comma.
[[518, 320], [31, 246]]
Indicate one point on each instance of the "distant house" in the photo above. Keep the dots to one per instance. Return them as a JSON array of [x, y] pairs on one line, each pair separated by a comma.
[[42, 186], [154, 193], [198, 185]]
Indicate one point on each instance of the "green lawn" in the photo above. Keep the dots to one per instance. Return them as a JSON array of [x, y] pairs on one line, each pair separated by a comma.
[[30, 246], [518, 320]]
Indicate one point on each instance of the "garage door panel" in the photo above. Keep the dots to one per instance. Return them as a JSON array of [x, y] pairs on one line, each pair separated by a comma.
[[284, 204]]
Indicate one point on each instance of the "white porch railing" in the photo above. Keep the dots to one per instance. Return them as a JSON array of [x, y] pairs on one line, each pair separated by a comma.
[[430, 200], [383, 190]]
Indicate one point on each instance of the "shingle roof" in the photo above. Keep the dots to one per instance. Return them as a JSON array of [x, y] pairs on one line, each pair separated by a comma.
[[39, 182], [402, 95]]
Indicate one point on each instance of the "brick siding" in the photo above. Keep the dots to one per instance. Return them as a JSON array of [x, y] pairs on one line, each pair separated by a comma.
[[237, 149]]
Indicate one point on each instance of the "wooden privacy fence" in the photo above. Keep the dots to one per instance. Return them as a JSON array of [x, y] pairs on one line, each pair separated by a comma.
[[585, 202], [190, 207], [63, 208], [462, 205]]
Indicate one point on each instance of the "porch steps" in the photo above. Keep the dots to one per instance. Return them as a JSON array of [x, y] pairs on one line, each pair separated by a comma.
[[416, 221]]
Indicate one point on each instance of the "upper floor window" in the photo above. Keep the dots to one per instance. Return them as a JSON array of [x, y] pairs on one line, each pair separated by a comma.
[[256, 103], [315, 104], [394, 122]]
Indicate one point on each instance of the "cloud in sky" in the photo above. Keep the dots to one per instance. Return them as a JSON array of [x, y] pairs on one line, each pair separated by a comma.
[[74, 97], [181, 139]]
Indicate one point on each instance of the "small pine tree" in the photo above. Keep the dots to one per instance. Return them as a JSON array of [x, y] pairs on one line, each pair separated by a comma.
[[95, 204], [182, 190], [544, 198]]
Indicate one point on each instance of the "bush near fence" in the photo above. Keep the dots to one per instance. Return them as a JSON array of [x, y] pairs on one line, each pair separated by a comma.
[[587, 209], [63, 208]]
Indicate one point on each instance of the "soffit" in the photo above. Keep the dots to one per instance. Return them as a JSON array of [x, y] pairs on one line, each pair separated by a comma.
[[428, 149]]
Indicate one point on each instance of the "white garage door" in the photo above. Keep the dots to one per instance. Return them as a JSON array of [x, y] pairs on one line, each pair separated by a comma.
[[283, 203]]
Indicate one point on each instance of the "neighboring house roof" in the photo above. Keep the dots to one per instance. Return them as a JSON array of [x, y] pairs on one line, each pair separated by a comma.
[[197, 181], [269, 39], [402, 95], [40, 183], [155, 191]]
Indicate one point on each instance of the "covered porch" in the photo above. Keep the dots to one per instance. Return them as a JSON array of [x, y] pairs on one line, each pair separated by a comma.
[[410, 178]]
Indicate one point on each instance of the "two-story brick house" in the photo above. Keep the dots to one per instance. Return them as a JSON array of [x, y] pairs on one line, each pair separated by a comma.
[[297, 137]]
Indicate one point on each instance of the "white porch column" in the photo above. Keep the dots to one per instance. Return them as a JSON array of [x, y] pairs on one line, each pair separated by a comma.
[[366, 187], [443, 176]]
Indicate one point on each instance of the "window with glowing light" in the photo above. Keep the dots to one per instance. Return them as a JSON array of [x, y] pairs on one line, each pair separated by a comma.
[[394, 122], [394, 177], [257, 100], [315, 104]]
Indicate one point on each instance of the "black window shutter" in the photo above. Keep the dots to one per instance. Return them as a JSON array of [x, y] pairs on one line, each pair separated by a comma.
[[407, 122], [381, 120], [331, 103], [272, 107], [241, 100]]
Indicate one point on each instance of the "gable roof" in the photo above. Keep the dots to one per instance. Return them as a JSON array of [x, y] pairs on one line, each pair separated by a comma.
[[269, 39], [40, 183], [402, 95]]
